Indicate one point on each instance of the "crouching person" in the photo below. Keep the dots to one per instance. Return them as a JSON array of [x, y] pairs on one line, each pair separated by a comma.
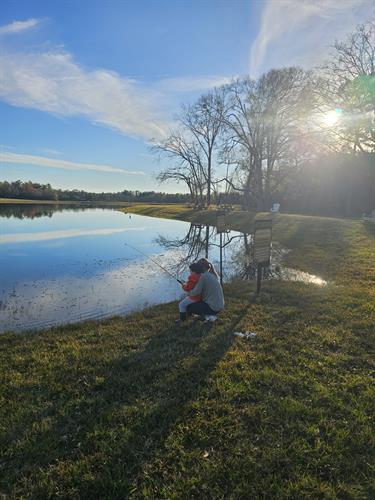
[[191, 282], [209, 287]]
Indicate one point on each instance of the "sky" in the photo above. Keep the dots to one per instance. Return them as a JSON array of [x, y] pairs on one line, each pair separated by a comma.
[[86, 86]]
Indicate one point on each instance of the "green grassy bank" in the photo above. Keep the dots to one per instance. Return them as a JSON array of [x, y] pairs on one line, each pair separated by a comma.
[[136, 407]]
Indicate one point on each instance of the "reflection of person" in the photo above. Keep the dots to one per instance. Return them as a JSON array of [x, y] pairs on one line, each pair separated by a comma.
[[191, 282], [209, 287]]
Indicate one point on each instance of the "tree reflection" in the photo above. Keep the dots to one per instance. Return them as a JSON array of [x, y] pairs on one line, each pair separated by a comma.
[[245, 267], [193, 246], [24, 211], [230, 252]]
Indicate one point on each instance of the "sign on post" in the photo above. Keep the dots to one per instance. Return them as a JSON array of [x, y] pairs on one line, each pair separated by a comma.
[[262, 246]]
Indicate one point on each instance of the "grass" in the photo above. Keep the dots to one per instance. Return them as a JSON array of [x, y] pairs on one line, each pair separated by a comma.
[[137, 408]]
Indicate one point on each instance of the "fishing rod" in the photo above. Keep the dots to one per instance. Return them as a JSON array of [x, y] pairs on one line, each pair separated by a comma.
[[154, 261]]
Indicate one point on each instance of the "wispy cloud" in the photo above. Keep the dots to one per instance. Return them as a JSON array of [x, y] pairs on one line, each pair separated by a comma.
[[49, 151], [54, 82], [300, 31], [18, 26], [63, 233], [41, 161]]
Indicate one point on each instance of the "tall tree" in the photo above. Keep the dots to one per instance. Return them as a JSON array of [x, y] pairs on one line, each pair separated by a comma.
[[203, 121], [265, 122]]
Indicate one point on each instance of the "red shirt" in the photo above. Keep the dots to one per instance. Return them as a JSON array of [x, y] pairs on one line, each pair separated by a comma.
[[190, 284]]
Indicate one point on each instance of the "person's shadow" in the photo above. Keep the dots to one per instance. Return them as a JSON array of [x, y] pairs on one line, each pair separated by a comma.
[[116, 427]]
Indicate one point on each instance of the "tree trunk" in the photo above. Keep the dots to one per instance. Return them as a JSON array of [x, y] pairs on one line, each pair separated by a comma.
[[209, 180], [247, 193], [258, 187]]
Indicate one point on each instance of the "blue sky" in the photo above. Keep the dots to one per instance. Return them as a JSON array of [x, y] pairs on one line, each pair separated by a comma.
[[85, 86]]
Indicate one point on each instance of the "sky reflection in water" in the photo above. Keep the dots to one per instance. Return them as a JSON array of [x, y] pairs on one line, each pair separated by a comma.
[[68, 265]]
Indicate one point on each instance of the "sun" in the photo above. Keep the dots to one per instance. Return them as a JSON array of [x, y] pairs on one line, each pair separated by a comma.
[[332, 117]]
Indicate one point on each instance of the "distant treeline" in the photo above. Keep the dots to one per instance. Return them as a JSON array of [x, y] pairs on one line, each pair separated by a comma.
[[35, 191], [341, 185]]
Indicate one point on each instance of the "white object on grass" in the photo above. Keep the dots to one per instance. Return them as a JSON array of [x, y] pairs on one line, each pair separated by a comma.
[[209, 317], [275, 207], [246, 335]]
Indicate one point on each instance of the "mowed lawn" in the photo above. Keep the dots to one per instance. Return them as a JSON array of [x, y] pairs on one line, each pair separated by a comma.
[[137, 407]]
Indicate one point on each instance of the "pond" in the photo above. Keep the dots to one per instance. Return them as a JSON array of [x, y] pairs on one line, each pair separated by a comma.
[[66, 264], [62, 264]]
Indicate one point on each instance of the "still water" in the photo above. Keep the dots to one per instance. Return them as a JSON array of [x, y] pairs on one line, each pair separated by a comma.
[[66, 264], [61, 264]]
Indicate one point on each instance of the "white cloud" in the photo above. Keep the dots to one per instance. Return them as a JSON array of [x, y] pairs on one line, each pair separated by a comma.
[[63, 233], [18, 26], [41, 161], [300, 31], [54, 82]]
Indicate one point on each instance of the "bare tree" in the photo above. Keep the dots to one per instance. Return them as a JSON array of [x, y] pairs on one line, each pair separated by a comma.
[[194, 147], [347, 85], [264, 122], [204, 121], [187, 164], [355, 56]]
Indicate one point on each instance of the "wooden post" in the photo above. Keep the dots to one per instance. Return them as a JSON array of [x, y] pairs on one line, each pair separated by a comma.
[[259, 277], [262, 246], [207, 242], [221, 258], [220, 228]]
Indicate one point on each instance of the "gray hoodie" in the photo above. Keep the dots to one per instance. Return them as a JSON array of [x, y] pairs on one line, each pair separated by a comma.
[[209, 287]]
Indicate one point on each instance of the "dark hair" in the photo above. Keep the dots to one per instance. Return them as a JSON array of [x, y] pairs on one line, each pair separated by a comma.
[[207, 266], [195, 267]]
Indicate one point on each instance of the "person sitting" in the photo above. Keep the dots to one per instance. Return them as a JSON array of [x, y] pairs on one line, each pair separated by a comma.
[[209, 287], [191, 282]]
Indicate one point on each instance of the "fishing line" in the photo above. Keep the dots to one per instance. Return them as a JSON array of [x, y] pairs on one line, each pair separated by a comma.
[[154, 261]]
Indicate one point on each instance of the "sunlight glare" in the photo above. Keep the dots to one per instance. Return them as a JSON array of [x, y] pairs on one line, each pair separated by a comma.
[[331, 117]]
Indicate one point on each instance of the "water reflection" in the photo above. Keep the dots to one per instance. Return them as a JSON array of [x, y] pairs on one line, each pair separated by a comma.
[[32, 211], [71, 264], [61, 234], [203, 241], [232, 253], [192, 246], [102, 289], [22, 211], [229, 251]]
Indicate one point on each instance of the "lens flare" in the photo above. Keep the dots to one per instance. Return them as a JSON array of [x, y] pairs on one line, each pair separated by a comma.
[[332, 117]]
